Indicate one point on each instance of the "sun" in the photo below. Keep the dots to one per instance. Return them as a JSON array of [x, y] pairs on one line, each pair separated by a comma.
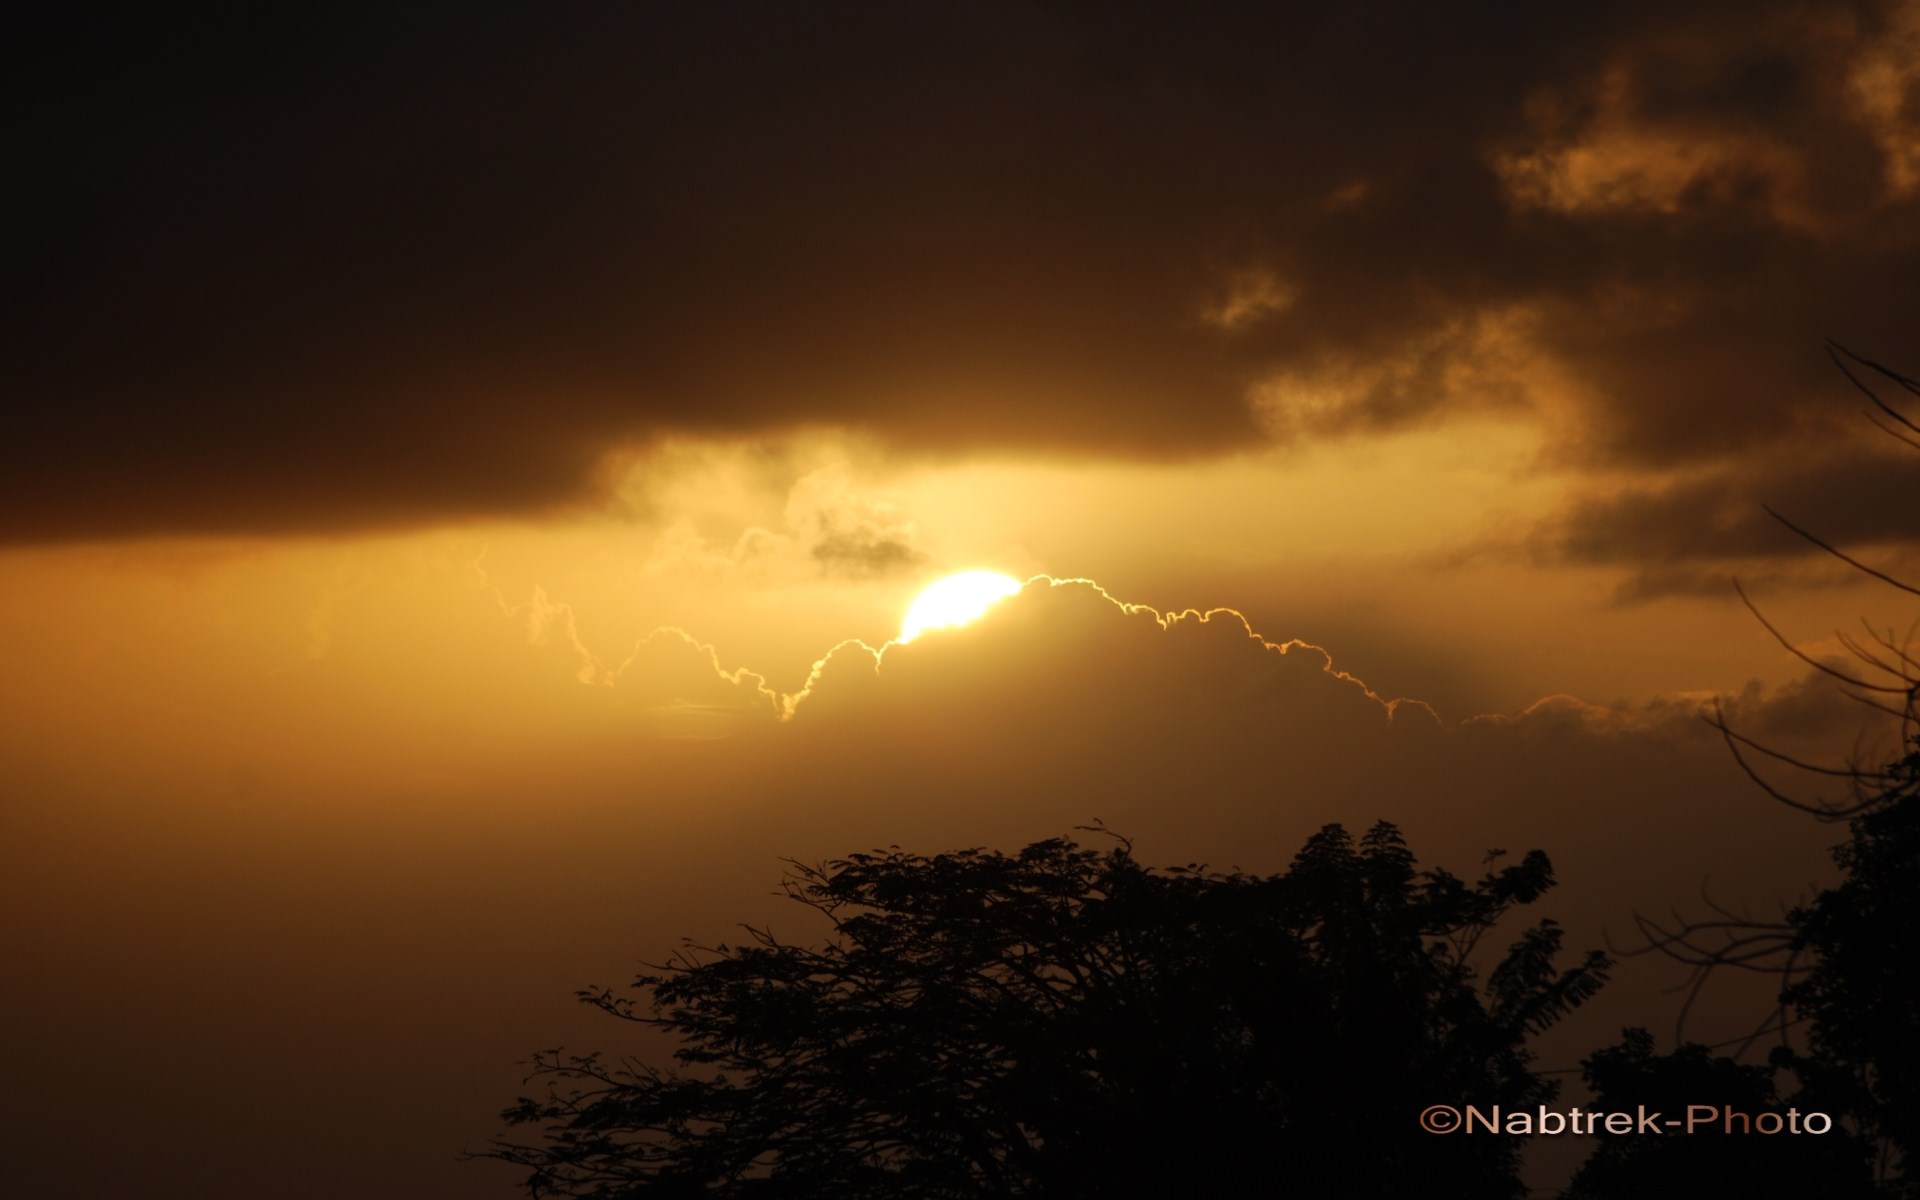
[[955, 600]]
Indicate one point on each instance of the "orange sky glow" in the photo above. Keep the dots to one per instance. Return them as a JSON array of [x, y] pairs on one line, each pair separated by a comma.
[[447, 559]]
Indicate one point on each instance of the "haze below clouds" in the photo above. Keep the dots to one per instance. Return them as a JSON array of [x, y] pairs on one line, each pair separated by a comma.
[[360, 908]]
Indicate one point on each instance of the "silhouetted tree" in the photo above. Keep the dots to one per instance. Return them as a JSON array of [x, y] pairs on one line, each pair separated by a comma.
[[1848, 960], [1723, 1157], [1065, 1022], [1860, 995]]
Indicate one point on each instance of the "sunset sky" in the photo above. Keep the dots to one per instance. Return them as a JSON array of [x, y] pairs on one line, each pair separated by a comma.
[[462, 467]]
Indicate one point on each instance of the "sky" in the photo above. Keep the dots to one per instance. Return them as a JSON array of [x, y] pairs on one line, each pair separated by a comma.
[[463, 469]]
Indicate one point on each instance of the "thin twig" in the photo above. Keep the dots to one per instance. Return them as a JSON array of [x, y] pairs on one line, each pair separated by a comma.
[[1848, 559]]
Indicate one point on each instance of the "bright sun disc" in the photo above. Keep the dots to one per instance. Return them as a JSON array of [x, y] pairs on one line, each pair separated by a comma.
[[956, 600]]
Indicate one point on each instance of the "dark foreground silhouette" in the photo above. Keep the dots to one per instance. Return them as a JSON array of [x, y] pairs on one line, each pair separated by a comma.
[[1065, 1022], [1844, 1037]]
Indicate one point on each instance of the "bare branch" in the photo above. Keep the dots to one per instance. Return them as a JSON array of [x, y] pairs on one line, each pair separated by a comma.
[[1827, 669], [1856, 564], [1898, 435], [1835, 350]]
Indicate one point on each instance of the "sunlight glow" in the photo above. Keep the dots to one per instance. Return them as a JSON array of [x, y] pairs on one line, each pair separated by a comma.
[[955, 600]]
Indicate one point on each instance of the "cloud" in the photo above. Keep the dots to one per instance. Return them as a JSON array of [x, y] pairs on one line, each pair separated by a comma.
[[1067, 703], [683, 690], [1073, 647], [851, 534], [771, 510], [350, 276], [1699, 532]]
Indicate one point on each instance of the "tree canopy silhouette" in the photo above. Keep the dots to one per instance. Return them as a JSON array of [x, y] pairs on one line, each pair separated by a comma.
[[1848, 959], [1065, 1022], [1716, 1159], [1860, 994]]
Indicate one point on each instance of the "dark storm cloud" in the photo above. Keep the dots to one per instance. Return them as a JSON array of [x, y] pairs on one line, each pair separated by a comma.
[[1868, 498], [333, 269], [1795, 510]]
